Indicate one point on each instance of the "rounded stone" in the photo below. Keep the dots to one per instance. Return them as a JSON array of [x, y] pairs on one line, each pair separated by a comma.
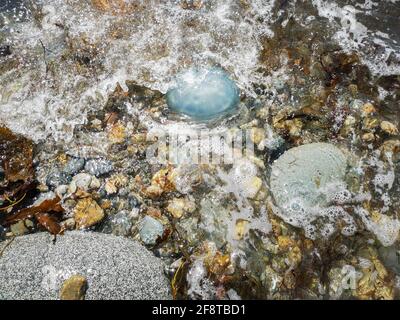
[[56, 178], [150, 230], [74, 166], [203, 93], [35, 267], [98, 167], [300, 176]]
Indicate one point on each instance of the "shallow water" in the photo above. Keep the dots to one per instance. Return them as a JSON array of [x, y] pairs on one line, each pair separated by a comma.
[[305, 70]]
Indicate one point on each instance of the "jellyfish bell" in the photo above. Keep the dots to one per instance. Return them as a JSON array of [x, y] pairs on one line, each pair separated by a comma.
[[203, 94]]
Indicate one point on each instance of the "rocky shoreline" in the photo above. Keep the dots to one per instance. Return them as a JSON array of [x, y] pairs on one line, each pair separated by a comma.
[[311, 213]]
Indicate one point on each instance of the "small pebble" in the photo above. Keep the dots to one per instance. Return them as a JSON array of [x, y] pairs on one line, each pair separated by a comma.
[[133, 202], [150, 230], [178, 207], [95, 183], [121, 224], [20, 228], [74, 288], [389, 128], [87, 213], [368, 109], [81, 181], [68, 224], [98, 167], [74, 166], [56, 178], [61, 190]]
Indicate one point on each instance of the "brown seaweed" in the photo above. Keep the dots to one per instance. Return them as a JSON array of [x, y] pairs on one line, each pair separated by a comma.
[[42, 215]]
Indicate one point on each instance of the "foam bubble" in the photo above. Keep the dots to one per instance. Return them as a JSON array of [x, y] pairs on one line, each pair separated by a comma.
[[386, 229]]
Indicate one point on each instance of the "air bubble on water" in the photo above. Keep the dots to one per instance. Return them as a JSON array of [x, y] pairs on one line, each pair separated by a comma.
[[310, 232], [327, 230], [349, 230]]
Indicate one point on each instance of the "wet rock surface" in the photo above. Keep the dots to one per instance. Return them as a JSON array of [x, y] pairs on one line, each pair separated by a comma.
[[115, 268], [74, 288], [83, 93]]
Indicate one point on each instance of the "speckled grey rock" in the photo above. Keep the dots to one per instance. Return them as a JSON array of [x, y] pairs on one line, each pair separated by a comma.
[[33, 267], [150, 230], [300, 175]]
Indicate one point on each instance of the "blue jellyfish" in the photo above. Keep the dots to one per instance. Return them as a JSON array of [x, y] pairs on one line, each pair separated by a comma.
[[203, 94]]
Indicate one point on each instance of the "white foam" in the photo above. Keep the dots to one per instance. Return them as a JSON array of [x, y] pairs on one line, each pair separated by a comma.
[[386, 229], [156, 43], [353, 35]]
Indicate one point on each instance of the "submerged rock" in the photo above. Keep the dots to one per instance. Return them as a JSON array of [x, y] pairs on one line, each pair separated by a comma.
[[98, 167], [56, 178], [34, 267], [121, 224], [214, 220], [87, 213], [203, 93], [390, 256], [150, 230], [74, 166], [299, 178]]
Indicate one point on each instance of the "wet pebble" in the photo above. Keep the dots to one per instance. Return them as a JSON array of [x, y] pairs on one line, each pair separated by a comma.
[[87, 213], [391, 258], [74, 166], [61, 190], [186, 227], [19, 228], [82, 181], [74, 288], [150, 230], [133, 202], [121, 224], [56, 178], [98, 167], [68, 224], [389, 128], [300, 174], [178, 207]]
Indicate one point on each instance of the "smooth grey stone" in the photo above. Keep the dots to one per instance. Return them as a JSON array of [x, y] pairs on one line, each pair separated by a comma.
[[33, 267]]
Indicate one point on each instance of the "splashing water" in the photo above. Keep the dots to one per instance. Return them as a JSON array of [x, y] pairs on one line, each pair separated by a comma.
[[306, 72]]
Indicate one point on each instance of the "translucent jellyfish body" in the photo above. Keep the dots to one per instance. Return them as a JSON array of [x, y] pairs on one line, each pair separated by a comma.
[[203, 94], [299, 180]]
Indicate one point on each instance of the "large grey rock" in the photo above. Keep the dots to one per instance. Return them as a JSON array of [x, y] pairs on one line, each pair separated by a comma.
[[33, 267], [300, 177]]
